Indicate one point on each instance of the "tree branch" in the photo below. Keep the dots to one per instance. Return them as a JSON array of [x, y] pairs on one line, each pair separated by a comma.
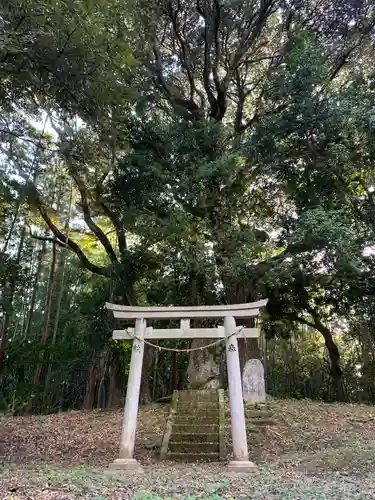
[[240, 103], [72, 245], [343, 58], [257, 116], [183, 46], [46, 238], [189, 105], [121, 238], [88, 219], [207, 65], [249, 39], [216, 27], [26, 139]]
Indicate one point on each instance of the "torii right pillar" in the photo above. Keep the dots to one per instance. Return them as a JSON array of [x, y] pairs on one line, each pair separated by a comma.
[[241, 462]]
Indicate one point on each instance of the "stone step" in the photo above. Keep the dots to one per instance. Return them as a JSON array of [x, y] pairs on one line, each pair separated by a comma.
[[258, 413], [197, 405], [188, 418], [262, 421], [197, 415], [196, 410], [193, 457], [211, 427], [199, 437], [193, 447], [193, 428], [192, 395], [254, 429]]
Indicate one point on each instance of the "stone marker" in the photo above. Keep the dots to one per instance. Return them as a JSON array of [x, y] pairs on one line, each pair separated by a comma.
[[253, 383]]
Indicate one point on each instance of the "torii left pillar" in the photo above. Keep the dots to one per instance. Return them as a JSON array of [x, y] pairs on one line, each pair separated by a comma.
[[126, 460]]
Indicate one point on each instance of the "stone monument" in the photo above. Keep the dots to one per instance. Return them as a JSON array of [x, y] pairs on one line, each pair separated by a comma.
[[253, 383], [203, 370]]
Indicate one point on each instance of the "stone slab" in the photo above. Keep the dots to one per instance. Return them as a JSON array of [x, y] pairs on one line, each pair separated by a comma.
[[243, 466], [198, 395], [199, 437], [193, 457], [182, 427], [204, 447], [126, 464]]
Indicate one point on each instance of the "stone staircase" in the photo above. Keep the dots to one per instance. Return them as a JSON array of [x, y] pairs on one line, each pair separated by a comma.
[[195, 428]]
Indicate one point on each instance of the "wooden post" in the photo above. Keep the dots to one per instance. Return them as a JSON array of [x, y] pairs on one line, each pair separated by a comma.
[[126, 461], [241, 461]]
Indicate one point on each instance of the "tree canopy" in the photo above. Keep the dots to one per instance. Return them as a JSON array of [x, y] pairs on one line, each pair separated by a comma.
[[188, 153]]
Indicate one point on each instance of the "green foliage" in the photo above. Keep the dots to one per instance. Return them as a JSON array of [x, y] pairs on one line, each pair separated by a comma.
[[206, 164], [65, 50]]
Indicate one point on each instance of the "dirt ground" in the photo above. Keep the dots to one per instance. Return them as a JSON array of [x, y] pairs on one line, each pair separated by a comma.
[[312, 451]]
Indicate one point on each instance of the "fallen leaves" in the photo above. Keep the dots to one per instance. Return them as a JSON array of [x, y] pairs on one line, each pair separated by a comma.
[[312, 450]]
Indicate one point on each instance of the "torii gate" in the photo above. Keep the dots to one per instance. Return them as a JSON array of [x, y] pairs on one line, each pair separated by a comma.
[[229, 313]]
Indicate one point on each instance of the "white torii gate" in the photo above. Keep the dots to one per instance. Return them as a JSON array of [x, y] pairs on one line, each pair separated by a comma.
[[229, 313]]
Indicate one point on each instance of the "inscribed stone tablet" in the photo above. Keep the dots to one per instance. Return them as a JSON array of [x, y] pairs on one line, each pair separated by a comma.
[[253, 383]]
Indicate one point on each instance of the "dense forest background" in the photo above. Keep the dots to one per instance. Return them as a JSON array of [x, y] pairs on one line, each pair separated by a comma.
[[167, 152]]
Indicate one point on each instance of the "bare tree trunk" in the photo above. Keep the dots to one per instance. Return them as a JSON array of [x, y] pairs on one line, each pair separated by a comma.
[[64, 258], [92, 375], [145, 397], [155, 377], [103, 363], [47, 314], [28, 288], [38, 271], [9, 299], [48, 396], [334, 355], [61, 271], [116, 382], [174, 371]]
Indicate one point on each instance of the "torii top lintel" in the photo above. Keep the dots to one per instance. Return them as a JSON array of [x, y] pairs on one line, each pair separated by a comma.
[[247, 310]]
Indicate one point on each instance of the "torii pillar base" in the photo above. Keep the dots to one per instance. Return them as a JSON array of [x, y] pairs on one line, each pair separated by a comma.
[[241, 466], [126, 464]]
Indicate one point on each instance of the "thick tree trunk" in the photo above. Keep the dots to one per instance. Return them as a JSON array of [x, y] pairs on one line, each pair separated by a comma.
[[336, 371], [334, 355]]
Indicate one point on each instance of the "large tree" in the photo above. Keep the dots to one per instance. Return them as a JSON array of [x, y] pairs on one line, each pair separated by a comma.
[[206, 137]]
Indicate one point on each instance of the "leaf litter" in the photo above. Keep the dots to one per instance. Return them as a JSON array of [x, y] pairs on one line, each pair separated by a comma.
[[312, 450]]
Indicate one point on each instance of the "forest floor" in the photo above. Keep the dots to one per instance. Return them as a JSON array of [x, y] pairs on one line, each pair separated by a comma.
[[313, 451]]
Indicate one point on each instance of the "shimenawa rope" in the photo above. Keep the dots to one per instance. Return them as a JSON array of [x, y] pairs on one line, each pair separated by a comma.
[[171, 349]]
